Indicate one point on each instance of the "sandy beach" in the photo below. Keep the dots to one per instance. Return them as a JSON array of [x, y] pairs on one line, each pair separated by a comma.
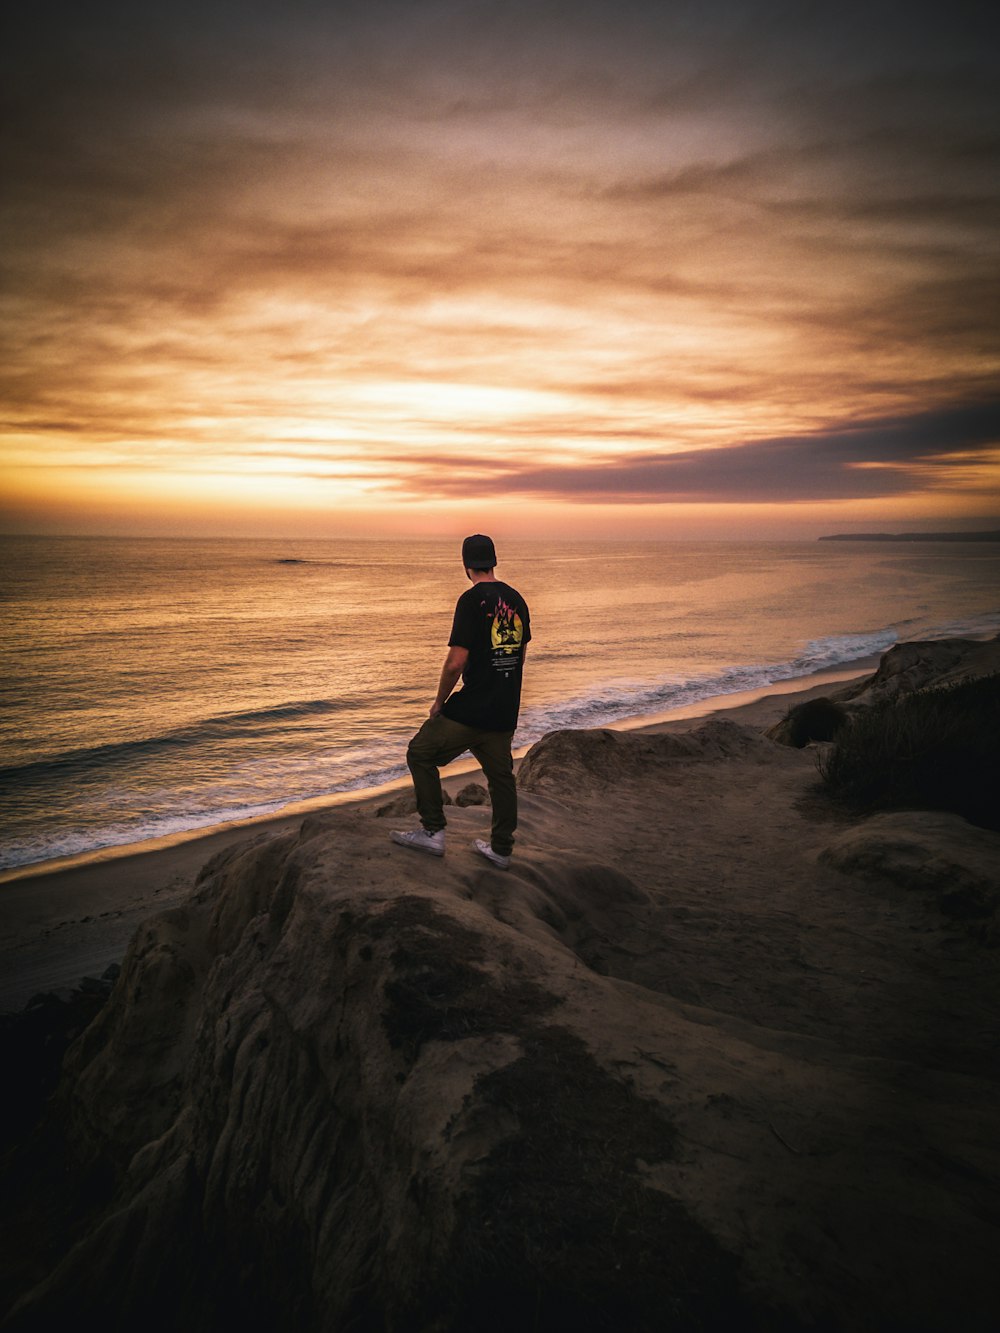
[[59, 923]]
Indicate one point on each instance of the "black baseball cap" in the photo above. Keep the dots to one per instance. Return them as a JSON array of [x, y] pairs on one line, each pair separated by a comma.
[[478, 552]]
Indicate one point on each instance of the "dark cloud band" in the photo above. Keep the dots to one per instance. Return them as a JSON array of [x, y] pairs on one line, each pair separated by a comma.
[[877, 458]]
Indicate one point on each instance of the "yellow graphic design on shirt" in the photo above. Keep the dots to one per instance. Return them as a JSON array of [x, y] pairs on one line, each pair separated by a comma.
[[507, 630]]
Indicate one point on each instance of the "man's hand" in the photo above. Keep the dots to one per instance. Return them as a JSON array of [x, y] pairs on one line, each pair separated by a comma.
[[454, 665]]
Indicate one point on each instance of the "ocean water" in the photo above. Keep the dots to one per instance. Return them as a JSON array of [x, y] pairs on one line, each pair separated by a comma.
[[153, 687]]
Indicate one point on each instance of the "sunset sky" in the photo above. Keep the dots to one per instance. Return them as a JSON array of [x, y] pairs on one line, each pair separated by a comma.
[[590, 269]]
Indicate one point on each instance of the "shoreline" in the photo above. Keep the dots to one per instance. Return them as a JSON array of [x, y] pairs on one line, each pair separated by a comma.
[[297, 810], [61, 921]]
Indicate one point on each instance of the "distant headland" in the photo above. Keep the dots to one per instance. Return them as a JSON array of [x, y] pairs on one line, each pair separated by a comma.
[[993, 536]]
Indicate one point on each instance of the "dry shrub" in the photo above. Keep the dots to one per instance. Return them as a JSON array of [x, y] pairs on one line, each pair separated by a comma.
[[937, 749]]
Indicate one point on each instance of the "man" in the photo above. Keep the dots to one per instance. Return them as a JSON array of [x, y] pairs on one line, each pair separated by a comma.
[[488, 640]]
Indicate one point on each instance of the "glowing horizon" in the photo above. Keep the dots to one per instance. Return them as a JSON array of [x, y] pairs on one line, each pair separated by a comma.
[[690, 272]]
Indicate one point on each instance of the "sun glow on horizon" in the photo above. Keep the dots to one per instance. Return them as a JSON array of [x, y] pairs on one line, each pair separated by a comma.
[[642, 269]]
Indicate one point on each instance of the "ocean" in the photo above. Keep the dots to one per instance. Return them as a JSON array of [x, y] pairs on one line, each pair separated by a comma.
[[155, 687]]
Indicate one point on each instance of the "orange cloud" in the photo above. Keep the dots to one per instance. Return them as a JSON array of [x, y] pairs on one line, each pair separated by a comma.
[[399, 252]]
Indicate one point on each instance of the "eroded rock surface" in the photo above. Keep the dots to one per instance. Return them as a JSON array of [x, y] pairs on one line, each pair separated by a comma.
[[574, 761], [936, 853], [670, 1070], [405, 804], [321, 1104], [916, 666], [473, 793]]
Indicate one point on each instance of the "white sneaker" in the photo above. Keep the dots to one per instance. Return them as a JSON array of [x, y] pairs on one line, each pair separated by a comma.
[[484, 849], [421, 841]]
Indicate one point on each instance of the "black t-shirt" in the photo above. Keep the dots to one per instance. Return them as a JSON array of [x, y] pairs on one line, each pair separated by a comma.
[[491, 620]]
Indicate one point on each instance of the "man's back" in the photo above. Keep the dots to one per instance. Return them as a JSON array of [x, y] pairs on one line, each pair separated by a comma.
[[493, 623]]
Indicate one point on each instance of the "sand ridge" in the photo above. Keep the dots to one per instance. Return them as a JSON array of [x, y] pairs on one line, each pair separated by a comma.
[[60, 924]]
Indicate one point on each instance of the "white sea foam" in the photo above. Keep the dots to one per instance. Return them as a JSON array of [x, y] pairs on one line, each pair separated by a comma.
[[605, 705], [602, 706]]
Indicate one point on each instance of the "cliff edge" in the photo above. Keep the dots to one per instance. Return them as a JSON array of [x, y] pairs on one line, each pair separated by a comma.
[[673, 1070]]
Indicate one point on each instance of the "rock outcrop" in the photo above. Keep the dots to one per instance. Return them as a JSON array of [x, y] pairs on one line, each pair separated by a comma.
[[317, 1103], [568, 762], [473, 793], [34, 1042], [932, 852], [916, 666]]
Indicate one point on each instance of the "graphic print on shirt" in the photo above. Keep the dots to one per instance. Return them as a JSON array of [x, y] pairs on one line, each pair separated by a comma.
[[506, 634]]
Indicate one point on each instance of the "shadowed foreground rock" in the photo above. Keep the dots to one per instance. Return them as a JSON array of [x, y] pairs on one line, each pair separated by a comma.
[[347, 1087], [310, 1105], [929, 851]]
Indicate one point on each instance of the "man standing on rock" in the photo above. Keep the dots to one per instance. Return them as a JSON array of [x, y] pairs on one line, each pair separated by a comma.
[[489, 637]]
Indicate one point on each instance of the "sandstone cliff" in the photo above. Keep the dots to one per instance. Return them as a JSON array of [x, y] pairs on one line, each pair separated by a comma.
[[672, 1071], [915, 666]]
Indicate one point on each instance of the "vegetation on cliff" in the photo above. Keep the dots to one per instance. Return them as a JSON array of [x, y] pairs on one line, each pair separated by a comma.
[[935, 749]]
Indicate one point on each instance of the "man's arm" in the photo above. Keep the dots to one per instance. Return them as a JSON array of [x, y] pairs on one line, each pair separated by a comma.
[[454, 665]]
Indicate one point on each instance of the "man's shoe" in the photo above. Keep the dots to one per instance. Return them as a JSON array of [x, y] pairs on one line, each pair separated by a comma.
[[421, 841], [484, 849]]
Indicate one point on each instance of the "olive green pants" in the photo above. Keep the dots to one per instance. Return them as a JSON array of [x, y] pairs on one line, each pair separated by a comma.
[[437, 743]]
